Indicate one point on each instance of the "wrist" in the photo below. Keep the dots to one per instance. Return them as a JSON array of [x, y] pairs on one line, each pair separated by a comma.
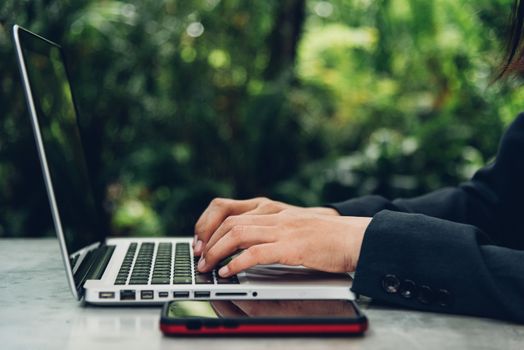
[[325, 211], [359, 226]]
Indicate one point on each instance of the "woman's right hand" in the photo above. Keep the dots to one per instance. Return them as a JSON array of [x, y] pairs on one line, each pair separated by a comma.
[[221, 208]]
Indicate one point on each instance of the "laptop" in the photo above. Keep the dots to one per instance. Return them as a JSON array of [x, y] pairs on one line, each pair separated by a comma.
[[105, 270]]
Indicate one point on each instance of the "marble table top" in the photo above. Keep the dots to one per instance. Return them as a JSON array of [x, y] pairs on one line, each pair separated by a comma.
[[37, 311]]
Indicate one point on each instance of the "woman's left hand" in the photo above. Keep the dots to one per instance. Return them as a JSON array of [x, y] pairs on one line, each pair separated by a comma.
[[322, 242]]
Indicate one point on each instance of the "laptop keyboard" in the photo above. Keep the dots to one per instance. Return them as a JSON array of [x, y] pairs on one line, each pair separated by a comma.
[[164, 267], [121, 278]]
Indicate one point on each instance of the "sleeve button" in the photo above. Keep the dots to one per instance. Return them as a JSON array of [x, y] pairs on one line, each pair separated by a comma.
[[390, 283], [426, 295], [443, 298], [408, 289]]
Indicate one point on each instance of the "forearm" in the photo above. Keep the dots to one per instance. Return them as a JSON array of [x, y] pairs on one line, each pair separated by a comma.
[[491, 201], [453, 267], [470, 203]]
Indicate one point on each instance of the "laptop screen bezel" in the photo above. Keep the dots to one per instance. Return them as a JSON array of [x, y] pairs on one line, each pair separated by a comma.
[[18, 34]]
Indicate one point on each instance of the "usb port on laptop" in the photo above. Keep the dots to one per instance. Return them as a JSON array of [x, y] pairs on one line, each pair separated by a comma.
[[106, 295], [202, 294], [146, 294], [181, 294]]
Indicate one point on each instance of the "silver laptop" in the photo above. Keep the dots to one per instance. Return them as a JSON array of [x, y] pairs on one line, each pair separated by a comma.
[[104, 270]]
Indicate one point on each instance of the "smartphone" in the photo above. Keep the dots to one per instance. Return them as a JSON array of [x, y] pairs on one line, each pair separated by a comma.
[[248, 317]]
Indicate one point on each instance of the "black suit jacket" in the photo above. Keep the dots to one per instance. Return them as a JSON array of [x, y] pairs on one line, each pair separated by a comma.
[[457, 250]]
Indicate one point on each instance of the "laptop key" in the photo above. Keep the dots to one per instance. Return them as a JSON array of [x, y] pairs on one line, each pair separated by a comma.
[[182, 280], [182, 273], [140, 274], [230, 280], [204, 279], [125, 268], [161, 273], [160, 281], [138, 282]]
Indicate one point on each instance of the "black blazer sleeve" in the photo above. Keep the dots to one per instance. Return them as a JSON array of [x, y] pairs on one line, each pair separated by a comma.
[[458, 250]]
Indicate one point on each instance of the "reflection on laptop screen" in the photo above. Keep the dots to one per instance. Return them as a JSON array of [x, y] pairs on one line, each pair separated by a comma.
[[61, 138]]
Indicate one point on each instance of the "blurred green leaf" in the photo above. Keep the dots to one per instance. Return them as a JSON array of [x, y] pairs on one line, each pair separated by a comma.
[[304, 101]]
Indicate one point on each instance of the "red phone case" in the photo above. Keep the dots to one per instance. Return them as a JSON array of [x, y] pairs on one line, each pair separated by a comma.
[[263, 325]]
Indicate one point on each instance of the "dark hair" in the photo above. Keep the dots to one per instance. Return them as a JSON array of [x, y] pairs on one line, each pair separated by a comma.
[[514, 60]]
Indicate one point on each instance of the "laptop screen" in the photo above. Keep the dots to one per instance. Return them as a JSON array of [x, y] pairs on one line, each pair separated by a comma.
[[57, 120]]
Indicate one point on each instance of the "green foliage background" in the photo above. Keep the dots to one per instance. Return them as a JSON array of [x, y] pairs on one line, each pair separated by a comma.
[[303, 101]]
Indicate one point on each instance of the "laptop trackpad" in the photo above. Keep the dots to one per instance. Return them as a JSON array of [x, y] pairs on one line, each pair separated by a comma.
[[283, 274]]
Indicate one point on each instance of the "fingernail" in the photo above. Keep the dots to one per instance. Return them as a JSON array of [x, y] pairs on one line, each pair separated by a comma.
[[195, 239], [224, 271], [198, 247], [201, 263]]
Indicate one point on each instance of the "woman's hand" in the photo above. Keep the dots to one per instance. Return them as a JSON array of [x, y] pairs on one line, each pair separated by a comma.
[[221, 208], [290, 237]]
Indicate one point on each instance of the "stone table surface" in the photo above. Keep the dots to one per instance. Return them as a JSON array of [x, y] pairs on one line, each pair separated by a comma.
[[37, 311]]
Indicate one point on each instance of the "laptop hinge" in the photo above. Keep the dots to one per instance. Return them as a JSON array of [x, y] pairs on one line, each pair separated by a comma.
[[93, 265]]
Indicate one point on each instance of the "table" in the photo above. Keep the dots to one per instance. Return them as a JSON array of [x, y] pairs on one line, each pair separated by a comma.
[[37, 311]]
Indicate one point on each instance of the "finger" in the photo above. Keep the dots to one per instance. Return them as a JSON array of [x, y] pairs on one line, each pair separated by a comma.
[[217, 211], [267, 207], [240, 237], [261, 254], [239, 220]]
